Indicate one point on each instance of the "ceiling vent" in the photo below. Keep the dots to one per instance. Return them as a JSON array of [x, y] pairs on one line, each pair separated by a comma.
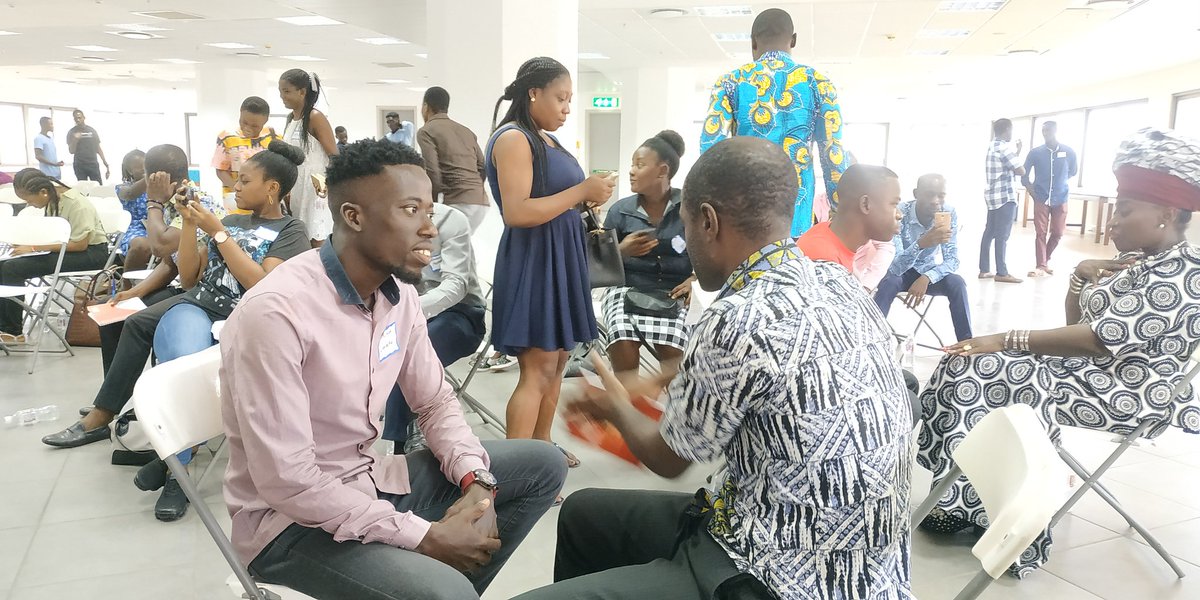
[[169, 15]]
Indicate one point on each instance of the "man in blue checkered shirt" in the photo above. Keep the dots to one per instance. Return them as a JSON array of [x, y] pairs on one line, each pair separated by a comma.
[[1001, 199]]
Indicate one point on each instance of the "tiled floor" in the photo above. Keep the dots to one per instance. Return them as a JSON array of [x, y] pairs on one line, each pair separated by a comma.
[[73, 526]]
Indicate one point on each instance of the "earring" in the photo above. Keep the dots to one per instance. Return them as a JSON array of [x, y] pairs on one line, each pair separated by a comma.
[[1162, 225], [532, 99]]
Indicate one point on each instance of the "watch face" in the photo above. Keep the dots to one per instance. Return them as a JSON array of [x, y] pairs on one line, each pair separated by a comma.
[[487, 479]]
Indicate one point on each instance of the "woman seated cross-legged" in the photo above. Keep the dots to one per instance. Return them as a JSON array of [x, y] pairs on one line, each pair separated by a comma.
[[218, 260], [1133, 323], [657, 266]]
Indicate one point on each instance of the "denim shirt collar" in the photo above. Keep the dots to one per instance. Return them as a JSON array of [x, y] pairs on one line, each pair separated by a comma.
[[341, 281], [636, 210]]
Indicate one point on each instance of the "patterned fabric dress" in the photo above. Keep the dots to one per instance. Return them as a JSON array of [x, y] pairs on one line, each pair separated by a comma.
[[1148, 316], [791, 105], [790, 377], [305, 204]]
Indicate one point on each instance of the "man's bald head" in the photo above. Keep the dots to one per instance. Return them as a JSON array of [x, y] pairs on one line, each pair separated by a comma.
[[772, 30], [868, 196], [169, 159], [748, 181]]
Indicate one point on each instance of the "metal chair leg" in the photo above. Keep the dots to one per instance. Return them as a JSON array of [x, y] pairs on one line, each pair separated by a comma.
[[935, 494], [980, 583]]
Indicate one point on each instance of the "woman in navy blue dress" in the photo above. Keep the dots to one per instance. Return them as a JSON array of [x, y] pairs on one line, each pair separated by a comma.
[[542, 300]]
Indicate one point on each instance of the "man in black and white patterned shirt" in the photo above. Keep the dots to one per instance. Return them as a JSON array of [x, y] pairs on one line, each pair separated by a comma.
[[791, 379]]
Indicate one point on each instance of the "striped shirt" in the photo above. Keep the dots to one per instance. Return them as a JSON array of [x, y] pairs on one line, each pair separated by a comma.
[[1001, 162]]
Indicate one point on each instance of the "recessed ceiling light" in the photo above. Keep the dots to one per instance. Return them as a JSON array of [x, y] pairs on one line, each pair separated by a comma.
[[230, 45], [9, 33], [381, 41], [591, 56], [60, 62], [302, 58], [388, 82], [95, 59], [731, 37], [667, 13], [394, 65], [1024, 52], [169, 15], [93, 48], [723, 11], [249, 54], [929, 52], [309, 20], [135, 35], [178, 61], [421, 55], [943, 33], [971, 5], [135, 27]]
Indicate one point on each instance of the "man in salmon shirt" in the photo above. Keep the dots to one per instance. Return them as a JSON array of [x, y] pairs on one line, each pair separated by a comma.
[[869, 196]]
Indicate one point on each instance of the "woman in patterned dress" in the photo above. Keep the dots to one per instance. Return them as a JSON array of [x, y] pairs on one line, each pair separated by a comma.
[[308, 128], [1135, 321]]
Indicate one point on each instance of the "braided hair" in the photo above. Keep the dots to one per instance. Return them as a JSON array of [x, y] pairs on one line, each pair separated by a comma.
[[300, 79], [536, 73], [33, 181]]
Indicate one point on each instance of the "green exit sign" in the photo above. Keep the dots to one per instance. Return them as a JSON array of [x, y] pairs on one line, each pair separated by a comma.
[[606, 102]]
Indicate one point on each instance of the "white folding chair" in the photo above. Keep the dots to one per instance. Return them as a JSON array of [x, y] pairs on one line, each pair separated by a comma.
[[179, 403], [31, 212], [86, 187], [1017, 473], [45, 231], [1091, 480], [460, 387], [6, 210], [922, 312], [103, 203]]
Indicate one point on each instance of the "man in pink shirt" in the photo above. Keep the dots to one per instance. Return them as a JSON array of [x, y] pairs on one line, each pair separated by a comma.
[[309, 358]]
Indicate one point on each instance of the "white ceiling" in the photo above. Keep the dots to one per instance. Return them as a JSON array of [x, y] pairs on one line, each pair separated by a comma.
[[870, 47]]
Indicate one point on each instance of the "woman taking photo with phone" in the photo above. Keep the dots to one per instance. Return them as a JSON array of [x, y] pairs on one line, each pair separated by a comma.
[[657, 266], [542, 301]]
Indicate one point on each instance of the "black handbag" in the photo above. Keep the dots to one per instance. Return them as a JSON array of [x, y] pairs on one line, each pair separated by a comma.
[[651, 304], [606, 268]]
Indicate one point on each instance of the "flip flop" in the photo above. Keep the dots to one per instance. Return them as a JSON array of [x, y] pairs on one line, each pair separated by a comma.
[[572, 460]]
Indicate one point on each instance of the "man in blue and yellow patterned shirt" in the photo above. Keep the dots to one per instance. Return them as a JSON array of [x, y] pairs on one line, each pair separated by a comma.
[[783, 102]]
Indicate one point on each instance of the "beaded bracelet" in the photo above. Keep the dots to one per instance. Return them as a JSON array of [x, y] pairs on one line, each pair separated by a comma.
[[1017, 340], [1077, 284]]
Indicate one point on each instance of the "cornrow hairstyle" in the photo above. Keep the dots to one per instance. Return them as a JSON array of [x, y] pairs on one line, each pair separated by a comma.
[[300, 79], [33, 181], [669, 147], [126, 172], [536, 73]]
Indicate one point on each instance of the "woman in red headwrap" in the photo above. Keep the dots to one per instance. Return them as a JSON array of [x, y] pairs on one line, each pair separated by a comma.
[[1134, 323]]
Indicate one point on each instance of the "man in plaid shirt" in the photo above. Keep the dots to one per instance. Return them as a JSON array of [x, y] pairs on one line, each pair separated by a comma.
[[1001, 200]]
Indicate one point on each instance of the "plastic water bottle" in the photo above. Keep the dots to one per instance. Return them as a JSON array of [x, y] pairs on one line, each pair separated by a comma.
[[30, 416], [910, 352]]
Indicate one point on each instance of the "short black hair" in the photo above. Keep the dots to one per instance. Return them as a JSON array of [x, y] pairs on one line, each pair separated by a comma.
[[168, 158], [339, 129], [860, 179], [438, 99], [747, 180], [392, 114], [257, 106], [76, 112], [42, 121], [1000, 126], [1053, 124], [772, 25], [363, 159]]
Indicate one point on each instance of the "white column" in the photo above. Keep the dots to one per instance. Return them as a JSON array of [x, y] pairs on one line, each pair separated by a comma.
[[219, 95]]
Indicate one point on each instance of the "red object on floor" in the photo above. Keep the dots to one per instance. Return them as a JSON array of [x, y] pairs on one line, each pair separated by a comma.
[[606, 437]]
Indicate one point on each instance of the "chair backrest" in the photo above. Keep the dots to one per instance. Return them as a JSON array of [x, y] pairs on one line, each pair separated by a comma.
[[86, 187], [32, 211], [179, 402], [114, 221], [35, 232], [104, 203], [7, 210], [1019, 477]]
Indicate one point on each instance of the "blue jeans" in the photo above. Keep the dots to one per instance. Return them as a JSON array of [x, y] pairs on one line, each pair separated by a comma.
[[530, 474], [999, 226], [951, 286], [455, 333], [184, 329]]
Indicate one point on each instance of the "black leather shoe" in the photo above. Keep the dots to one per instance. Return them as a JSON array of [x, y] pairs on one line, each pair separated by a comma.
[[172, 504], [75, 436], [85, 411], [151, 476]]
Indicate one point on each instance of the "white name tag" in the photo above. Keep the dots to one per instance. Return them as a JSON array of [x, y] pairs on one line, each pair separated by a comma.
[[387, 343], [435, 263], [266, 234], [678, 244], [1060, 155]]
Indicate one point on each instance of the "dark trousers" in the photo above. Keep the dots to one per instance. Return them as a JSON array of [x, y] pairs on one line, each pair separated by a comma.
[[621, 544], [1049, 223], [15, 271], [455, 333], [914, 394], [110, 335], [998, 228], [952, 287], [84, 172], [133, 349], [530, 474]]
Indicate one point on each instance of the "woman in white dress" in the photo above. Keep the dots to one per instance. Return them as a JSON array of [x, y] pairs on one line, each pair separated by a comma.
[[309, 129]]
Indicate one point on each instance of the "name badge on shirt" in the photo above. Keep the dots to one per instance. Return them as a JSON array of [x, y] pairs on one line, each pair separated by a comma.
[[266, 234], [678, 244], [435, 263], [1061, 154], [387, 343]]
